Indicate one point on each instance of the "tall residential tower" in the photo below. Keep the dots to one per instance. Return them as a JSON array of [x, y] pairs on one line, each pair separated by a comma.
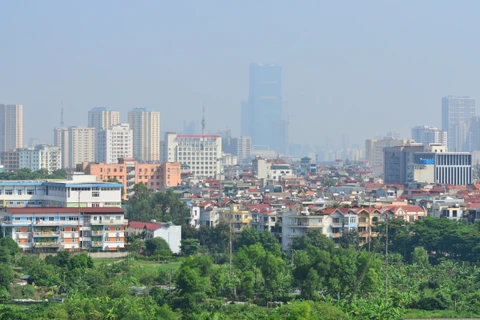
[[145, 124], [102, 118], [457, 112], [11, 126]]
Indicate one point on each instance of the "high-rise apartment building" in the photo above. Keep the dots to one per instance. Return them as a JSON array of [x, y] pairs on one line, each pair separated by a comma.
[[41, 157], [60, 140], [102, 118], [457, 112], [474, 134], [374, 149], [81, 145], [11, 126], [262, 115], [244, 149], [427, 135], [201, 153], [145, 125], [113, 143]]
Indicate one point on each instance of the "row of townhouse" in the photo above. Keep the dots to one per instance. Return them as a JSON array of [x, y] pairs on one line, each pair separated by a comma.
[[295, 221], [74, 214]]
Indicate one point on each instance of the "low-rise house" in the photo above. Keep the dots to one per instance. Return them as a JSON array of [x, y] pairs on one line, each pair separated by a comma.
[[171, 233]]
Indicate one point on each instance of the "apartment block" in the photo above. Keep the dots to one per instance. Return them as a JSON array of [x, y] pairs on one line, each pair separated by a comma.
[[130, 172], [61, 141], [244, 149], [81, 145], [201, 153], [102, 118], [145, 124], [10, 160], [72, 229], [427, 135], [374, 149], [11, 126], [113, 143], [41, 157]]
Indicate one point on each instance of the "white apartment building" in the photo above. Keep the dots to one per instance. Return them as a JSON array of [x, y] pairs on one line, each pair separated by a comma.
[[202, 153], [244, 148], [61, 141], [41, 157], [171, 233], [81, 145], [145, 125], [113, 143], [102, 118], [427, 135], [11, 126], [72, 214]]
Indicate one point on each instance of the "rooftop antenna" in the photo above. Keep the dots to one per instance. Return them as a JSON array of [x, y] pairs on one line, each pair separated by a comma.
[[203, 121], [61, 117]]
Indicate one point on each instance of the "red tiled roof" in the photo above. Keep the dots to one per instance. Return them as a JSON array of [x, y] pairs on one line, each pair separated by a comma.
[[91, 210], [252, 190], [145, 225]]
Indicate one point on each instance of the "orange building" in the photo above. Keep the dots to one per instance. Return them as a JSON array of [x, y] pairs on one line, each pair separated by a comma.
[[129, 172]]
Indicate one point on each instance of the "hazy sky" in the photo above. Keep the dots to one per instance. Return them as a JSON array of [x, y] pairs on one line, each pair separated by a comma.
[[356, 67]]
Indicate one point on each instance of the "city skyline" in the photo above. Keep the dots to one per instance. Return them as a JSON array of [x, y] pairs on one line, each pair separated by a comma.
[[358, 73]]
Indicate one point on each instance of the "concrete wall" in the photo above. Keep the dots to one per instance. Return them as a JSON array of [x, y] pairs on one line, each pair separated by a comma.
[[94, 255]]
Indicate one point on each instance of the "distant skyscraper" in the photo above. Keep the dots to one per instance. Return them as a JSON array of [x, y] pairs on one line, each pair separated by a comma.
[[457, 112], [114, 143], [102, 118], [11, 126], [60, 140], [262, 116], [426, 135], [145, 125], [81, 145], [244, 149], [474, 134]]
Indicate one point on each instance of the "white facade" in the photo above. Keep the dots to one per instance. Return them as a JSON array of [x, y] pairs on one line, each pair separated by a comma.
[[194, 220], [113, 143], [244, 148], [427, 135], [277, 172], [40, 157], [11, 126], [145, 125], [61, 141], [81, 145], [102, 118], [202, 153], [76, 191], [171, 234]]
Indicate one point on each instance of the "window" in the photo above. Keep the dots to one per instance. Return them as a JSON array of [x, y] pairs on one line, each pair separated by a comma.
[[51, 218], [336, 220], [353, 220], [62, 218], [19, 192], [454, 213], [95, 194], [8, 192]]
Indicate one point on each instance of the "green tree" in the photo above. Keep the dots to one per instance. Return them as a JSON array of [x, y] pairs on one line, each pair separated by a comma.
[[6, 275], [189, 246], [158, 247]]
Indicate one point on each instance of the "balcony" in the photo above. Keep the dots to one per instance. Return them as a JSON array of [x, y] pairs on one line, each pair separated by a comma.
[[46, 244], [46, 234], [97, 244], [109, 222], [97, 232], [336, 235], [336, 225]]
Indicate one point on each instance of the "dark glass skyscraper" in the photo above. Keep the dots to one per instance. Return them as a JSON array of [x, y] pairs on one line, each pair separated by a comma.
[[262, 115]]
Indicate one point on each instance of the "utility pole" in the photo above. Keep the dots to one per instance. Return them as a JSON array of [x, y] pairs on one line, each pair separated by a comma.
[[386, 259]]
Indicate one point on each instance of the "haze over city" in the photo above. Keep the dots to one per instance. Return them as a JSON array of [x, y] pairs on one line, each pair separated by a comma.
[[350, 68]]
